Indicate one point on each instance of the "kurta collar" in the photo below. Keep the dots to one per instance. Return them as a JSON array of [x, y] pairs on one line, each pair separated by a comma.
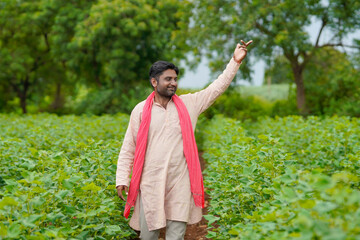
[[158, 104]]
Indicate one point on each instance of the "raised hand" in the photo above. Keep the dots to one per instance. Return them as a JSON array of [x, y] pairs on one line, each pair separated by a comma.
[[241, 51]]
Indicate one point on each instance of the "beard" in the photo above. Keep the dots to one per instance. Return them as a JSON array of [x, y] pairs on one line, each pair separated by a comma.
[[166, 92]]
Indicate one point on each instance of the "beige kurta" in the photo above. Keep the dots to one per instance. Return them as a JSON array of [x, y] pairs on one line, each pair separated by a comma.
[[165, 183]]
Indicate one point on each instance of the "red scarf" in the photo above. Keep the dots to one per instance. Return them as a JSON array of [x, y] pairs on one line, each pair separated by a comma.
[[190, 152]]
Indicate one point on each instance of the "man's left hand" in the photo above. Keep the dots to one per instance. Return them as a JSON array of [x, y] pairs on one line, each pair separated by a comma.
[[241, 51]]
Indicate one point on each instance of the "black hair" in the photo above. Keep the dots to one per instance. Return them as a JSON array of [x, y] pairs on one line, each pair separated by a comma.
[[159, 67]]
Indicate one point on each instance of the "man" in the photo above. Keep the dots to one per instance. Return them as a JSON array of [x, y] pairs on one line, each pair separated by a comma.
[[166, 187]]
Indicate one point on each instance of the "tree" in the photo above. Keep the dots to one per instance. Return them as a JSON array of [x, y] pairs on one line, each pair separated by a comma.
[[32, 48], [48, 45], [277, 27], [333, 84], [24, 46], [279, 71], [119, 40], [65, 16], [332, 78]]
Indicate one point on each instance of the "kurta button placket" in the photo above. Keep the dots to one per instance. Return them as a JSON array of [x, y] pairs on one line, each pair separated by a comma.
[[166, 116]]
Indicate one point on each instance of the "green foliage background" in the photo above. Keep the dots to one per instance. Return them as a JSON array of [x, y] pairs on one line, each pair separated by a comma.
[[283, 178], [74, 57], [277, 27], [278, 178], [271, 175], [50, 49], [58, 177]]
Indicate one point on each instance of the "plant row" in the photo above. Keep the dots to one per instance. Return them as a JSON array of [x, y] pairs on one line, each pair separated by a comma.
[[283, 178], [57, 177]]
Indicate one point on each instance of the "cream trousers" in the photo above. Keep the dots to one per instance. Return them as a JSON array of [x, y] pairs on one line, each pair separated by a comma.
[[175, 230]]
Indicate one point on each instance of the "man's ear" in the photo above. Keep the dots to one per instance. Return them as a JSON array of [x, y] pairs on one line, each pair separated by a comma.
[[154, 82]]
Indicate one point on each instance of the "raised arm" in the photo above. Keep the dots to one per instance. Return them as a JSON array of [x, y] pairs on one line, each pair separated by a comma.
[[207, 96]]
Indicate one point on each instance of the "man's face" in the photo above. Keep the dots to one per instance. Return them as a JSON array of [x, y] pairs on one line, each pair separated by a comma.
[[167, 85]]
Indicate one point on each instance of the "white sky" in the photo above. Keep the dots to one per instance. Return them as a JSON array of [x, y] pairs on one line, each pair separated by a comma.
[[201, 76]]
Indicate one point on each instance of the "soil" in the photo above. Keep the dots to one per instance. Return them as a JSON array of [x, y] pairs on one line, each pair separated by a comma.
[[196, 231]]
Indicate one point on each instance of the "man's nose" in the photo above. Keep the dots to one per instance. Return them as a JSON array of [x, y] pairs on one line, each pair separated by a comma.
[[173, 82]]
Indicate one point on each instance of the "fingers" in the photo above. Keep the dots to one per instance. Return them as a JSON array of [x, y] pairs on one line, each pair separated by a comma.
[[241, 51], [120, 190], [249, 42], [246, 44], [242, 47], [121, 196]]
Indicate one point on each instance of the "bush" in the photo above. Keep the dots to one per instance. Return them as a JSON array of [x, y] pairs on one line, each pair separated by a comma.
[[284, 108], [332, 84], [109, 101]]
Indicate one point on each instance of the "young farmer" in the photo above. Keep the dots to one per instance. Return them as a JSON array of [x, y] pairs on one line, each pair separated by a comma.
[[166, 187]]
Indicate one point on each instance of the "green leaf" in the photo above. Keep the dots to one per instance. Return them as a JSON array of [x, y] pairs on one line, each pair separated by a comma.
[[29, 221], [211, 235], [91, 187], [324, 207], [289, 193], [70, 209], [211, 219], [323, 182], [53, 216], [67, 184], [73, 179], [82, 235], [286, 178], [37, 201], [8, 201], [62, 194], [112, 229], [234, 232], [14, 230], [249, 170]]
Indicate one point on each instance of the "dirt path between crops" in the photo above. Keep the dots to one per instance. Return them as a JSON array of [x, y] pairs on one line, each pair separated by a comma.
[[196, 231]]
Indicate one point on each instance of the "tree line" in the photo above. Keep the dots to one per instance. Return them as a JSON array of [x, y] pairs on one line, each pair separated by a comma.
[[52, 52]]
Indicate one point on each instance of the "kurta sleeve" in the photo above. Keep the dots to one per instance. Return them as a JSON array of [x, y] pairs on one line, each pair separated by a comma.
[[127, 152], [204, 98]]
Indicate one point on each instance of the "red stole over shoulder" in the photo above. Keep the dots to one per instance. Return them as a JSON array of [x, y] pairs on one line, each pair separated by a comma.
[[190, 152]]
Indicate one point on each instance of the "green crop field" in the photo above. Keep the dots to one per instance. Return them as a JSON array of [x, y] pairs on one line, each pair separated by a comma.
[[282, 178], [57, 177], [271, 93]]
